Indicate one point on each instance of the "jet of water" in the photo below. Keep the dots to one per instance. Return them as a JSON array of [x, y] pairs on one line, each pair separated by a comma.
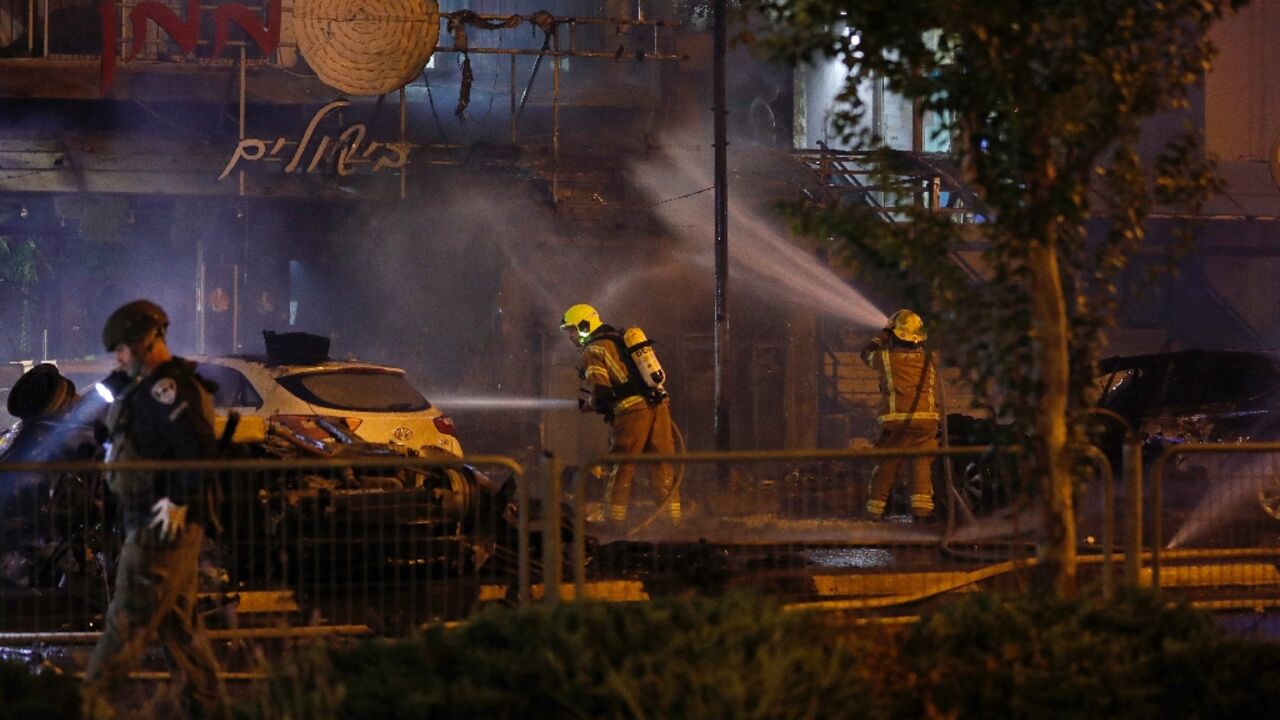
[[762, 255], [1232, 500]]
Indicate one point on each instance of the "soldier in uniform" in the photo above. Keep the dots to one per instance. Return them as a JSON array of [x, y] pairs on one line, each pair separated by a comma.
[[161, 411]]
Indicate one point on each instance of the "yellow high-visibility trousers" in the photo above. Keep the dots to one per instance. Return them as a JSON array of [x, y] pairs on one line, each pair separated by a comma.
[[917, 434], [645, 428]]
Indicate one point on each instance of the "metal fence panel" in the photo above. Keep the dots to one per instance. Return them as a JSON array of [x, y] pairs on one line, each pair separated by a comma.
[[1214, 523], [379, 545], [793, 525]]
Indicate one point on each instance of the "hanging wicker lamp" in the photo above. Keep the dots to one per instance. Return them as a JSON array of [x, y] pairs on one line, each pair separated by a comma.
[[367, 47]]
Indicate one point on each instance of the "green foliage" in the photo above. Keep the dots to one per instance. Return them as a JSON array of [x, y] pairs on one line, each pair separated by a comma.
[[985, 656], [1030, 656], [19, 260], [303, 686], [48, 696], [1045, 101], [739, 658]]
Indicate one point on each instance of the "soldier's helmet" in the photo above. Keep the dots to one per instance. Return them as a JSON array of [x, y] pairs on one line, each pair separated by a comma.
[[908, 326], [132, 322]]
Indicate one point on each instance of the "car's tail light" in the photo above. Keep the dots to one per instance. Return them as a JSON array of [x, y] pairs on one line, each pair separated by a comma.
[[445, 425]]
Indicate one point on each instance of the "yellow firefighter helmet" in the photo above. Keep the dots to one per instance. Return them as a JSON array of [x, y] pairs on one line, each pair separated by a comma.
[[582, 319], [907, 326]]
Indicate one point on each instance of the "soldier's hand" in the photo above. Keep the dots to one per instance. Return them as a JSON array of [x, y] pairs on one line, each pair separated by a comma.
[[169, 517]]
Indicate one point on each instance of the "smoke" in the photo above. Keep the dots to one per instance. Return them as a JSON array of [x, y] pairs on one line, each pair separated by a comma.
[[763, 257]]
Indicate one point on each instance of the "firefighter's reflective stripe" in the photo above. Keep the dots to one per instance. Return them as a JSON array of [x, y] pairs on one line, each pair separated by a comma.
[[908, 416], [906, 436], [921, 505], [913, 384], [604, 367], [888, 376]]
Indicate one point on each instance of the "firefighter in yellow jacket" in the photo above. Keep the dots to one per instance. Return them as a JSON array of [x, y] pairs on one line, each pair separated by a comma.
[[908, 414], [626, 387]]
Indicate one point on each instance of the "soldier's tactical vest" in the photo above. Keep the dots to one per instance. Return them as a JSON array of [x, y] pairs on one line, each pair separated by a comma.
[[137, 491]]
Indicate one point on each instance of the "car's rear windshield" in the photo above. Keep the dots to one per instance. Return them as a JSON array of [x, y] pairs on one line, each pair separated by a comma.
[[363, 390], [234, 389]]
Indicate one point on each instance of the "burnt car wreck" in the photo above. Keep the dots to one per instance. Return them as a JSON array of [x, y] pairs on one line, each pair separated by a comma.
[[1200, 397]]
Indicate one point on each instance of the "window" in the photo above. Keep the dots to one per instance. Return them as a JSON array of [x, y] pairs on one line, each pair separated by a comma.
[[363, 390], [234, 389]]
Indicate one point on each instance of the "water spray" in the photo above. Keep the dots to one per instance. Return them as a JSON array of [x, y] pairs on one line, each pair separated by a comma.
[[765, 257]]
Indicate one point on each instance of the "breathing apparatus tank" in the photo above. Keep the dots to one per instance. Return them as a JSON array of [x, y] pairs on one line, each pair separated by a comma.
[[640, 348]]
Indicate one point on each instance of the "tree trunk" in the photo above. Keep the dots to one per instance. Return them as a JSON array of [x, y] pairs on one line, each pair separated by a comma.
[[1057, 549]]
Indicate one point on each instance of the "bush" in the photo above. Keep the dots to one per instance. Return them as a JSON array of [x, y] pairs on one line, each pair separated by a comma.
[[1023, 657], [732, 658], [739, 657], [46, 696]]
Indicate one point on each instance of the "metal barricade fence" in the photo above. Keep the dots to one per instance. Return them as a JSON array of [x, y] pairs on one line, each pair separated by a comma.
[[312, 547], [792, 524], [1214, 528]]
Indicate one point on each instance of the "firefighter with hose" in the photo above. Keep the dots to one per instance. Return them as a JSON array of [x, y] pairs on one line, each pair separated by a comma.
[[625, 386], [908, 412]]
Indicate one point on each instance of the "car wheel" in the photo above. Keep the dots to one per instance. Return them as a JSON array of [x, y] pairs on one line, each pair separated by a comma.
[[971, 488]]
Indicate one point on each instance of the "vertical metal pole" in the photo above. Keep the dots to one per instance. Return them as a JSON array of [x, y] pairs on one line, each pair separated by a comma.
[[722, 358], [945, 441], [800, 109], [580, 534], [404, 128], [1157, 529], [200, 350], [552, 554], [1108, 530], [513, 99], [555, 120], [522, 541], [877, 109], [242, 94], [46, 28], [31, 27], [243, 217], [1132, 462], [917, 125], [235, 308]]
